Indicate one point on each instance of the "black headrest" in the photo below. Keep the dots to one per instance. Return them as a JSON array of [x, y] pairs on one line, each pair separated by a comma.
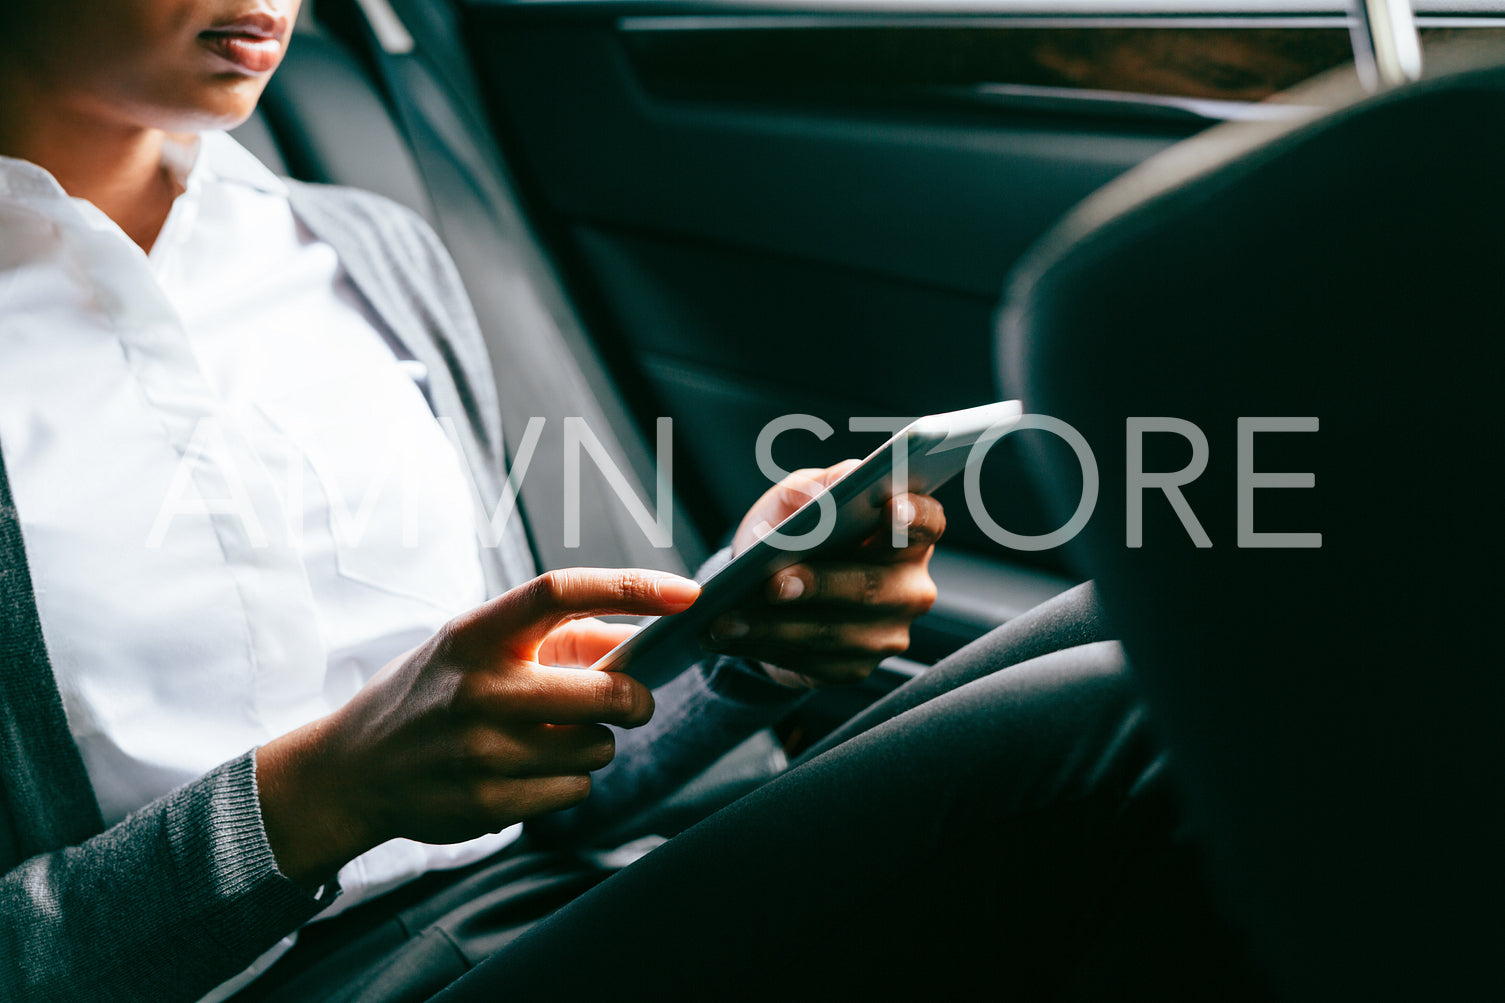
[[1334, 712]]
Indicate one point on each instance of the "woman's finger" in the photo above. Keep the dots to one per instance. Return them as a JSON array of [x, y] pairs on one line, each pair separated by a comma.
[[912, 523], [779, 639], [538, 750], [581, 643], [881, 589], [539, 694], [519, 620]]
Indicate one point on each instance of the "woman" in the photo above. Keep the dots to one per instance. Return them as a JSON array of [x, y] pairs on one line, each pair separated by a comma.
[[212, 378]]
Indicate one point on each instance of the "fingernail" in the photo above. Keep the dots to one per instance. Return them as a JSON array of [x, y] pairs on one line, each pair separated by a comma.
[[729, 628], [790, 588], [903, 512], [674, 589]]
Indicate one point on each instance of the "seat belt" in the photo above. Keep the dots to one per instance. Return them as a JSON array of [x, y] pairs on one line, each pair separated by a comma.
[[539, 375]]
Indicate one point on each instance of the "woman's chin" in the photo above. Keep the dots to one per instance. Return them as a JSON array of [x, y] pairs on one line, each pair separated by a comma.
[[223, 103]]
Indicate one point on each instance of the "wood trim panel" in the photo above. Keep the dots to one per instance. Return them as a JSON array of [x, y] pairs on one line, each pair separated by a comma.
[[1222, 63]]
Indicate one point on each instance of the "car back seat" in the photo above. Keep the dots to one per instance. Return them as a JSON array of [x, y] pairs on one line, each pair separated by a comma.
[[324, 118]]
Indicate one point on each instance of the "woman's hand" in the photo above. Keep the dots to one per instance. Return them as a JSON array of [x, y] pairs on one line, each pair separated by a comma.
[[834, 619], [468, 733]]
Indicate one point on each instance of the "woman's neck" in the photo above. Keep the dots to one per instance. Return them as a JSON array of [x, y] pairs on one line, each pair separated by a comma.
[[117, 167]]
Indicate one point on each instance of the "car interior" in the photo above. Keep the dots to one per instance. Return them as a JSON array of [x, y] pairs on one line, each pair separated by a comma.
[[722, 211]]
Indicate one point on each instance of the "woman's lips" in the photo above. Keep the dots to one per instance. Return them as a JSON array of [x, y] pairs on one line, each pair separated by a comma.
[[252, 42], [249, 53]]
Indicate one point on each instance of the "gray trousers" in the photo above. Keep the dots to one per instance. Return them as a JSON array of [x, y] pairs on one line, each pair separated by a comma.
[[1005, 820]]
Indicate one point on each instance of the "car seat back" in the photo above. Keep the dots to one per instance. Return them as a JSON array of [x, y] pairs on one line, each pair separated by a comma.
[[1321, 300]]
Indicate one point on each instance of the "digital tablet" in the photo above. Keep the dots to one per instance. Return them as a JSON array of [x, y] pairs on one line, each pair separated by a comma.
[[925, 454]]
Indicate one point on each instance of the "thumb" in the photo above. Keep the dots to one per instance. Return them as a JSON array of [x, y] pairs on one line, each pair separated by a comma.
[[783, 499], [580, 643]]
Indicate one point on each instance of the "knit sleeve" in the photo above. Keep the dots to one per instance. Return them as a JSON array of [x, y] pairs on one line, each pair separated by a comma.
[[180, 896]]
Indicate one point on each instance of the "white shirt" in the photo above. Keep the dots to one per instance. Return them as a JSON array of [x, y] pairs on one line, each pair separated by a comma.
[[236, 502]]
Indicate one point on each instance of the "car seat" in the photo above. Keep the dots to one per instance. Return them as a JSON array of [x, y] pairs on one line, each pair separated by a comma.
[[1320, 300]]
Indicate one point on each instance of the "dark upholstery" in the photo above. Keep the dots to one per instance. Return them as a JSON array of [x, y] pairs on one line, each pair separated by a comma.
[[321, 119], [255, 135], [1336, 713], [331, 124]]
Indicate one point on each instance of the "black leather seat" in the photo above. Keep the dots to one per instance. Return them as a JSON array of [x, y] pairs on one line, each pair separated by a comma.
[[1336, 713]]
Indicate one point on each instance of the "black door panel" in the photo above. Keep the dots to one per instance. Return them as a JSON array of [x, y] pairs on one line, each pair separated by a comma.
[[758, 230], [945, 203]]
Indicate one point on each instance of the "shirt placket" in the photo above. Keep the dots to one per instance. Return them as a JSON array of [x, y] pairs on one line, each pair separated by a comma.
[[230, 485]]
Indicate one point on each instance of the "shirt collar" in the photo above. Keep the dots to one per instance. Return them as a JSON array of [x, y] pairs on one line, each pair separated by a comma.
[[21, 179], [211, 154], [224, 158]]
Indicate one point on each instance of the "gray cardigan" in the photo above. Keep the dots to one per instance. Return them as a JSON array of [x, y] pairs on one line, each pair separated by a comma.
[[185, 893]]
